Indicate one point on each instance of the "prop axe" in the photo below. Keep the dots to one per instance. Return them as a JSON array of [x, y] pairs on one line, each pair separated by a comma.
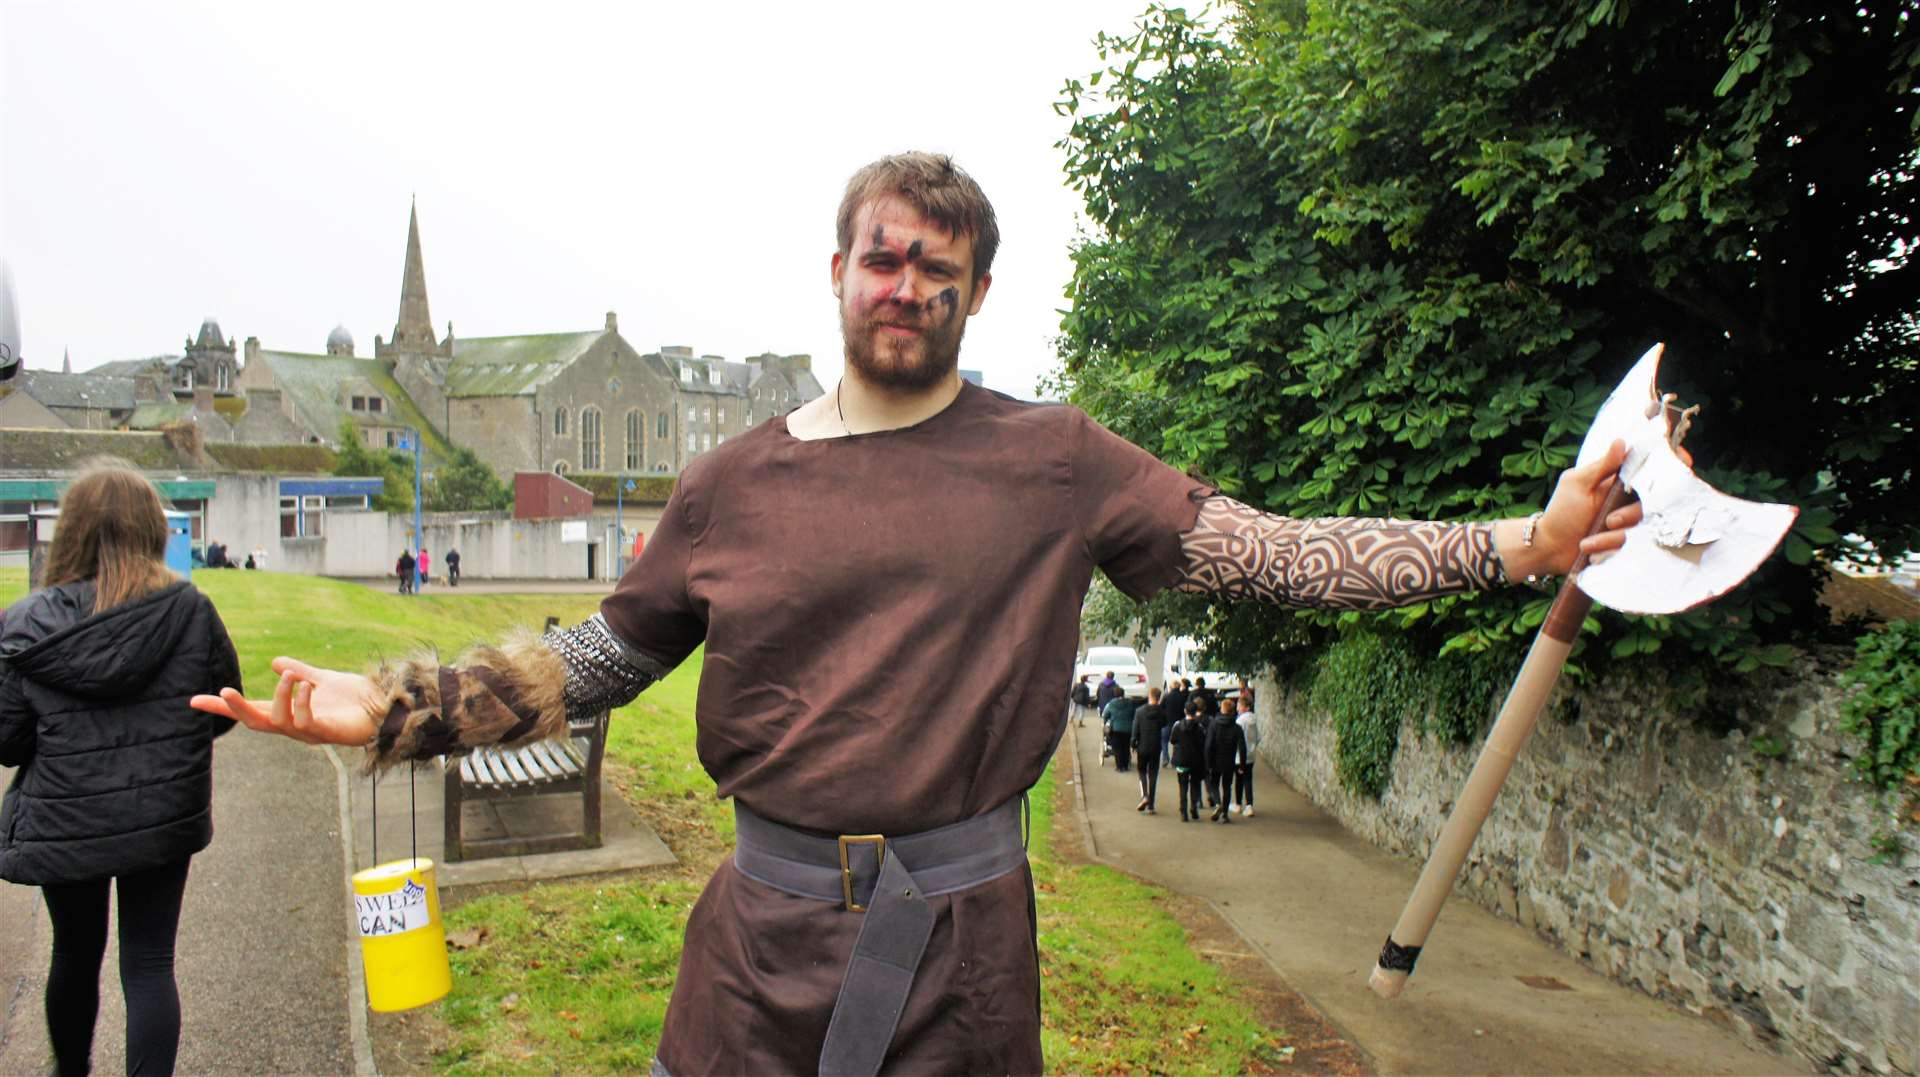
[[1692, 545]]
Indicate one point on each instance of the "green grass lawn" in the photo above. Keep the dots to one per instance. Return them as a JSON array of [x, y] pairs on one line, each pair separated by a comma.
[[575, 976]]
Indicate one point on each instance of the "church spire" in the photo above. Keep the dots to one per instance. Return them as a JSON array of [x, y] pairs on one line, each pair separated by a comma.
[[66, 362], [414, 330]]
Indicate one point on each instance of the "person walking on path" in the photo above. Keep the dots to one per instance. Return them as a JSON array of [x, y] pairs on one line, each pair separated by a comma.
[[1082, 699], [1189, 736], [975, 517], [1226, 753], [1149, 724], [426, 568], [453, 568], [1209, 701], [115, 778], [403, 569], [1243, 778], [1118, 719], [1173, 703], [1108, 691]]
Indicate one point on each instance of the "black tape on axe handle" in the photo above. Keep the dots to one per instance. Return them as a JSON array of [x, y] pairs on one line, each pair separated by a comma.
[[1397, 957]]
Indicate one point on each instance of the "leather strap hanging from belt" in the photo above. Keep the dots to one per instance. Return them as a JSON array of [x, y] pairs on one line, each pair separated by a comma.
[[902, 872]]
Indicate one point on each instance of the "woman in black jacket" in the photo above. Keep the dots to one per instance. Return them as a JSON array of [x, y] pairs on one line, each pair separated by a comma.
[[115, 778]]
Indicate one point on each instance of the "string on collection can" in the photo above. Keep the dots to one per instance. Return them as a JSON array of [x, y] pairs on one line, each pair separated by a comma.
[[396, 907]]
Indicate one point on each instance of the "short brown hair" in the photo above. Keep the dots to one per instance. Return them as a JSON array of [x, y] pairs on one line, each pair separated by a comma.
[[112, 530], [932, 184]]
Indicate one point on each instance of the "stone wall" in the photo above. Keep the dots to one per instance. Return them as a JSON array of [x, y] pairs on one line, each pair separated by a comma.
[[1672, 860]]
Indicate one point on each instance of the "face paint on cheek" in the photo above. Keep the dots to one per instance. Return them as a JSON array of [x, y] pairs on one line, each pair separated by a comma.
[[948, 298]]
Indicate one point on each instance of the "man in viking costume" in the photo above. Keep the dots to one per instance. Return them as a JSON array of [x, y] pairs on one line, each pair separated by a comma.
[[878, 912]]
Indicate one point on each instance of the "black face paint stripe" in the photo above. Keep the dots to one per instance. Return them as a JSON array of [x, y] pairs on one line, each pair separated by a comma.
[[913, 251], [950, 297], [879, 235]]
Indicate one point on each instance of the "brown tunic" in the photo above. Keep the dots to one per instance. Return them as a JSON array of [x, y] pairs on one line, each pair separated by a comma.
[[891, 621]]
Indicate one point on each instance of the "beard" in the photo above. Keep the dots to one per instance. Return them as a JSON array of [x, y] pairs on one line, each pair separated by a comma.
[[903, 363]]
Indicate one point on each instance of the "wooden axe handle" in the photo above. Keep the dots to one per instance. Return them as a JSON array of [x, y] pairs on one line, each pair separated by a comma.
[[1518, 715]]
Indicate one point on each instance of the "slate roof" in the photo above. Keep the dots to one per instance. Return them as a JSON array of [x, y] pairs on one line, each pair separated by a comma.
[[733, 376], [152, 416], [124, 368], [90, 390], [313, 383], [512, 366]]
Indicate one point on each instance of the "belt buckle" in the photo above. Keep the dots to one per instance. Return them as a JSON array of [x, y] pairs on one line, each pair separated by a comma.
[[879, 843]]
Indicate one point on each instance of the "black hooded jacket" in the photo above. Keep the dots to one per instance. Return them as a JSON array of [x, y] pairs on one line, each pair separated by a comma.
[[1226, 744], [116, 770]]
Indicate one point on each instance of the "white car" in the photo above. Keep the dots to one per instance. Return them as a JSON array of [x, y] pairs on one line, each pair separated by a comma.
[[1127, 669]]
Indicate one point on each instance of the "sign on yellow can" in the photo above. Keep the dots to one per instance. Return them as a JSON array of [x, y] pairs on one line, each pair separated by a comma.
[[403, 944]]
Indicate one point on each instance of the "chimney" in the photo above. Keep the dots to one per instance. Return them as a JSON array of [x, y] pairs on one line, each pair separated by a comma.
[[182, 438], [253, 349], [613, 322]]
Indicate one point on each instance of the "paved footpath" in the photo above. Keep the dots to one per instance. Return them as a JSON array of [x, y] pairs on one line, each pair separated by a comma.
[[1317, 901], [262, 952]]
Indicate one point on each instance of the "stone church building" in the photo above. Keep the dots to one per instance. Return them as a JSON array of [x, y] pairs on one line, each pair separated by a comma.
[[577, 401]]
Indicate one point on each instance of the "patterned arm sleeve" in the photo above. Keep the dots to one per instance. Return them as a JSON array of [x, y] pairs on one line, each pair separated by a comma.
[[527, 690], [1335, 563]]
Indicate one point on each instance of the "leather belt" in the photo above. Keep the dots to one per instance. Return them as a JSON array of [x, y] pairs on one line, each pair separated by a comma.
[[889, 879]]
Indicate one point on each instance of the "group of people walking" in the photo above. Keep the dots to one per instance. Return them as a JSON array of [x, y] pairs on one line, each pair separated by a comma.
[[1207, 738], [414, 573]]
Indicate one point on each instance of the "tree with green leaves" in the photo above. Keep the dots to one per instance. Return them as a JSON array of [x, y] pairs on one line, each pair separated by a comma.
[[392, 466], [1387, 258], [464, 483]]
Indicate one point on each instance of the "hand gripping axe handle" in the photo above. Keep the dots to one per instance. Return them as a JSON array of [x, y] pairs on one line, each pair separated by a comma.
[[1693, 544]]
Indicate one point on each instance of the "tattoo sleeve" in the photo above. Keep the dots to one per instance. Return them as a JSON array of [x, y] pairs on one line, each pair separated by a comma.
[[1335, 563], [526, 690]]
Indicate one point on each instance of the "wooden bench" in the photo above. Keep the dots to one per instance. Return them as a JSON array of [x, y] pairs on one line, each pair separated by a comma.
[[543, 768]]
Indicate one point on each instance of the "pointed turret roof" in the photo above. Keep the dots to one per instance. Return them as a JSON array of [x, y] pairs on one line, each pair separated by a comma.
[[414, 330]]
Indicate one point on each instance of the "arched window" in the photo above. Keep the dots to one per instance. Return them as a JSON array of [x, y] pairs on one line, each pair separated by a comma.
[[634, 441], [559, 467], [590, 443]]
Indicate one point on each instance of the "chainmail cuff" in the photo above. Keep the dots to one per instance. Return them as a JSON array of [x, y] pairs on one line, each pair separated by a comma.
[[603, 672]]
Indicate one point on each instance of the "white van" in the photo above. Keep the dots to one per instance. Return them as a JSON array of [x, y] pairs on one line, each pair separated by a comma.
[[1183, 658]]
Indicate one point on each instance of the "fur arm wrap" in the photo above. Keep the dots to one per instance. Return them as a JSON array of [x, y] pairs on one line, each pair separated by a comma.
[[523, 691], [496, 695]]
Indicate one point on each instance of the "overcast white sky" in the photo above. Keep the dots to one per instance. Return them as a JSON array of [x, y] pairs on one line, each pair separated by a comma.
[[679, 164]]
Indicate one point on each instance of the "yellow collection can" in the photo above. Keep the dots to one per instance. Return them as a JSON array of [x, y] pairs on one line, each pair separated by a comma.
[[403, 943]]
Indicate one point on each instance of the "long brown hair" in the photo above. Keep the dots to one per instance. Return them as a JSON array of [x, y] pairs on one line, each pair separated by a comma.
[[112, 530]]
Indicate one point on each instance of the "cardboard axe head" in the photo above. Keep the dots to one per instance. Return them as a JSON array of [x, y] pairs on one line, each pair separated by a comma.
[[1693, 543]]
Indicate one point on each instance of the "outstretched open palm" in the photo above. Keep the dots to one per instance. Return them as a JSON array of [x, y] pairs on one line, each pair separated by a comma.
[[311, 704]]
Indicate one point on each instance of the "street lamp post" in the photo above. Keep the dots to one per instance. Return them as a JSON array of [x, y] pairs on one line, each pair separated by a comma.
[[419, 534], [620, 489]]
